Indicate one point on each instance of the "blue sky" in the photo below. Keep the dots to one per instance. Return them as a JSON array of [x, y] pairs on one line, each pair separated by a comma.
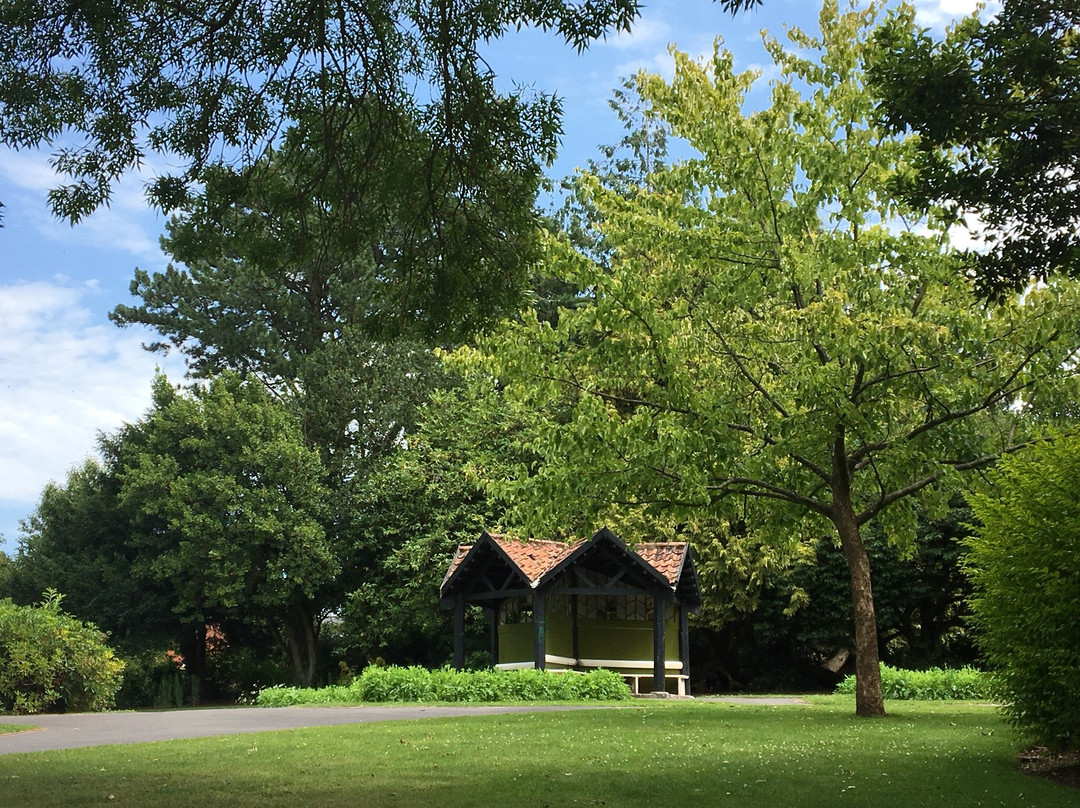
[[67, 374]]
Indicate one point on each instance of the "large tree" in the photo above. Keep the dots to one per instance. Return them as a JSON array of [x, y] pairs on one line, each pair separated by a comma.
[[996, 105], [268, 294], [769, 327], [225, 507]]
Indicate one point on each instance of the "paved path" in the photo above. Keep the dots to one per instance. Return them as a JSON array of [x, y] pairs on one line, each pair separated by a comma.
[[769, 701], [70, 731]]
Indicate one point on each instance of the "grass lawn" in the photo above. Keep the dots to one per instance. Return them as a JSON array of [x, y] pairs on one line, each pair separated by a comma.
[[647, 754], [6, 728]]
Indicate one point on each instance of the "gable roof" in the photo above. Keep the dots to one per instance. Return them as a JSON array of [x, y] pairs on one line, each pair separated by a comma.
[[539, 560], [666, 557]]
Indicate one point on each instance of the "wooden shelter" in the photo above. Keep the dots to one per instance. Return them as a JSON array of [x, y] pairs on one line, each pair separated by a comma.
[[580, 605]]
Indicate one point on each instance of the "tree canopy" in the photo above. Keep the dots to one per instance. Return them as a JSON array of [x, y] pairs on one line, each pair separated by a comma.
[[212, 81], [226, 504], [996, 105], [768, 328]]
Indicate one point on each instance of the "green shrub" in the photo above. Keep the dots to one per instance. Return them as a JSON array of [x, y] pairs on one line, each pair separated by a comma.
[[933, 684], [394, 684], [1024, 562], [51, 661]]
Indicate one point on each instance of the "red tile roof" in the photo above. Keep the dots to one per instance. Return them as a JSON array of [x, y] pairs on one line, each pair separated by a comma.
[[666, 557], [535, 557]]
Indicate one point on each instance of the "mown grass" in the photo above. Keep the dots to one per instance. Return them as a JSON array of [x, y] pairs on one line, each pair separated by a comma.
[[6, 728], [647, 754]]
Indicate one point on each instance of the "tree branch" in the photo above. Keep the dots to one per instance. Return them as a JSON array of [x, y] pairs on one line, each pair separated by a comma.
[[760, 488]]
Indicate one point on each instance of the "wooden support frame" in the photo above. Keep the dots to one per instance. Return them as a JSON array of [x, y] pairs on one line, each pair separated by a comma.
[[659, 646], [684, 643], [459, 631], [540, 627], [495, 568]]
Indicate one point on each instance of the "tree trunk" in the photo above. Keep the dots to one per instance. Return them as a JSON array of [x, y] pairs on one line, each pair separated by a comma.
[[303, 641], [194, 653], [868, 697]]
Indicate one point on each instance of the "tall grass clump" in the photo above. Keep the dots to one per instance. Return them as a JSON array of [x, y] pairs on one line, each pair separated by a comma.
[[933, 684], [415, 684]]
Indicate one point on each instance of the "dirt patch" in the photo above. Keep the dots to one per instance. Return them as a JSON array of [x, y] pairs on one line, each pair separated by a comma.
[[1061, 767]]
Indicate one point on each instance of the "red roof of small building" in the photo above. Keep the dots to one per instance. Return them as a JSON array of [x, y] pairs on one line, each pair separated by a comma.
[[535, 557], [666, 557]]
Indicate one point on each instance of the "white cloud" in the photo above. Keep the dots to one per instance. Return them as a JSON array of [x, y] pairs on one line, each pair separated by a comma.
[[939, 13], [646, 32], [64, 377], [126, 223]]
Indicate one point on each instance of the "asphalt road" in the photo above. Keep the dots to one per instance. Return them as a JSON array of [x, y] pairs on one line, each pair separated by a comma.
[[71, 731]]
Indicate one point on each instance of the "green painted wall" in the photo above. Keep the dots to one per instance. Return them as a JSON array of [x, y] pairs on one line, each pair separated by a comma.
[[516, 642], [597, 639]]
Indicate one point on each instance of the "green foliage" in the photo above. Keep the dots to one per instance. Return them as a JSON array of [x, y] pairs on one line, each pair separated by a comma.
[[209, 509], [225, 499], [130, 78], [7, 569], [136, 77], [933, 684], [413, 511], [994, 105], [226, 504], [765, 330], [76, 541], [51, 661], [395, 684], [1024, 562]]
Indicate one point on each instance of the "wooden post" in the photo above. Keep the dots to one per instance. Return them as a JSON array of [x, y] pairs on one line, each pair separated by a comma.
[[459, 631], [684, 643], [495, 634], [658, 609], [540, 625], [574, 644]]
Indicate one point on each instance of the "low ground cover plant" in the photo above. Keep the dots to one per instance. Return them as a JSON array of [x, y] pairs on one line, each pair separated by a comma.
[[933, 684], [415, 684]]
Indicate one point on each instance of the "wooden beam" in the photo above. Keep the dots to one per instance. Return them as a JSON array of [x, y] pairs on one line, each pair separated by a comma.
[[459, 631], [659, 684], [600, 590], [684, 642], [493, 616], [480, 597], [540, 626], [574, 644]]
